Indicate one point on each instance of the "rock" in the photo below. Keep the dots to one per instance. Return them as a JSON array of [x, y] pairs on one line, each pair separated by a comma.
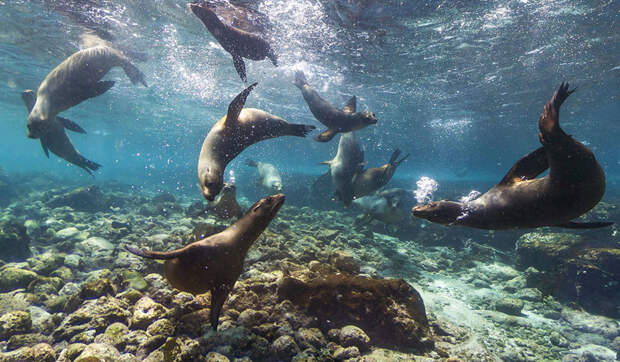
[[544, 250], [202, 230], [250, 317], [310, 338], [97, 288], [98, 352], [175, 349], [216, 357], [161, 327], [196, 209], [16, 322], [164, 197], [146, 311], [338, 300], [352, 336], [94, 315], [14, 240], [15, 278], [134, 280], [284, 347], [67, 233], [41, 352], [593, 352], [342, 354], [530, 294], [26, 340], [327, 234], [94, 245], [591, 324], [345, 262], [89, 199], [45, 263], [42, 321], [510, 306], [515, 284], [72, 261]]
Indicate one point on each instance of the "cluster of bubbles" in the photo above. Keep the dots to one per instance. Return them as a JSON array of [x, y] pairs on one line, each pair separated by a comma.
[[471, 196], [425, 188], [231, 177]]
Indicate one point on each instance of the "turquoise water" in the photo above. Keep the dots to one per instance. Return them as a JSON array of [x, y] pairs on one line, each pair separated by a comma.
[[459, 85]]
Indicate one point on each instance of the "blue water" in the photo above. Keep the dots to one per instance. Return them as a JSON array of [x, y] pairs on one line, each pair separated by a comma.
[[458, 85]]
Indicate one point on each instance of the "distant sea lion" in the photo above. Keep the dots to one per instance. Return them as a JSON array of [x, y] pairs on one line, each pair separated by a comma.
[[75, 80], [268, 176], [238, 129], [575, 184], [239, 43], [215, 263], [388, 206], [374, 178], [225, 205], [336, 120], [349, 161], [57, 141]]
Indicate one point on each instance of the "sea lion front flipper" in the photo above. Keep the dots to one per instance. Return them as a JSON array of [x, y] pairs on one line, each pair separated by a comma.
[[70, 125], [325, 136], [45, 149], [350, 106], [240, 67], [585, 225], [549, 121], [528, 167], [235, 107], [218, 297]]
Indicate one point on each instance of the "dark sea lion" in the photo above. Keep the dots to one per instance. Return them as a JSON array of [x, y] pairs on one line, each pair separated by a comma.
[[240, 15], [575, 184], [239, 43], [215, 263], [268, 176], [225, 205], [74, 80], [336, 120], [374, 178], [238, 129], [348, 162], [56, 139]]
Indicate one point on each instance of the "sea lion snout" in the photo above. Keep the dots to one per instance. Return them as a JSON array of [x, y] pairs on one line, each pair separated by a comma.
[[35, 128], [443, 212]]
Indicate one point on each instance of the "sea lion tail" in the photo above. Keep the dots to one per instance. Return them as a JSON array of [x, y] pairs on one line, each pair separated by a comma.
[[153, 254], [89, 165], [394, 156], [251, 163], [134, 74], [300, 130], [300, 79]]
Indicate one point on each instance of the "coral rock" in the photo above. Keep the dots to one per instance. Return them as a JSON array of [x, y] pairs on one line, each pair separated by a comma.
[[99, 352], [14, 323], [352, 336]]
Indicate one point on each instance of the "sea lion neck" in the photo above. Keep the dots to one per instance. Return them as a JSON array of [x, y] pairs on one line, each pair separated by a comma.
[[246, 230]]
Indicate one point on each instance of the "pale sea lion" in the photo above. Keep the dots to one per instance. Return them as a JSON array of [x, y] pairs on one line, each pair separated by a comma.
[[389, 206], [239, 43], [74, 80], [268, 176], [56, 139], [225, 204], [374, 178], [238, 129], [215, 263], [575, 184], [336, 120], [349, 161]]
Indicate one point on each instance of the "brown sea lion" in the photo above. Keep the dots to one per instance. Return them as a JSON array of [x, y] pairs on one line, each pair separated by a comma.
[[336, 120], [239, 43], [215, 263], [575, 184], [74, 80], [374, 178], [348, 162], [225, 205], [238, 129], [56, 139]]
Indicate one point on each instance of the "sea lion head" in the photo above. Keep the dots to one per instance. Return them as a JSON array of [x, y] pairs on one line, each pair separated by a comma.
[[265, 209], [211, 182], [368, 118], [37, 124], [277, 186], [202, 10], [442, 212]]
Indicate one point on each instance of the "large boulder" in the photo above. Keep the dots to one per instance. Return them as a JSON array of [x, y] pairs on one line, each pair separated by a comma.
[[88, 198], [390, 311], [14, 240]]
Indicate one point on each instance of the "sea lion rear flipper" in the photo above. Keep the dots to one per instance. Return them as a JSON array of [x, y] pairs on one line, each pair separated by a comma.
[[218, 297], [325, 136], [240, 67], [237, 104], [45, 149], [585, 225], [528, 167], [549, 121], [350, 106], [70, 125], [88, 165], [134, 74], [155, 254]]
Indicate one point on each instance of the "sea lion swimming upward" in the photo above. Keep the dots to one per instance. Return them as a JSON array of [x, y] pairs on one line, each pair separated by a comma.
[[74, 80], [239, 43], [348, 162], [215, 263], [575, 184], [336, 120], [57, 141], [374, 178], [238, 129], [225, 204]]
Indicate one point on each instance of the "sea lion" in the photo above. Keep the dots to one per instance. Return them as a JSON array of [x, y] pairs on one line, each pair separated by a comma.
[[575, 184], [239, 43], [225, 205], [74, 80], [56, 139], [215, 263], [336, 120], [238, 129], [268, 176], [388, 206], [348, 162], [374, 178]]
